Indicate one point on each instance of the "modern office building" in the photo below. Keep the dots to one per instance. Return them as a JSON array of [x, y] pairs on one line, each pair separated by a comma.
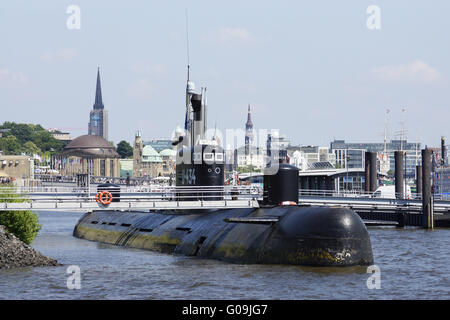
[[352, 155], [277, 143]]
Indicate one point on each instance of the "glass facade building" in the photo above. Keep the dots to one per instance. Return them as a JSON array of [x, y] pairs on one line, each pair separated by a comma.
[[356, 153]]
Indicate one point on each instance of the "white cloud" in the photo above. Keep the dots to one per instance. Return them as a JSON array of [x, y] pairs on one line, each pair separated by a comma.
[[230, 35], [142, 89], [65, 54], [418, 72], [148, 68], [11, 79]]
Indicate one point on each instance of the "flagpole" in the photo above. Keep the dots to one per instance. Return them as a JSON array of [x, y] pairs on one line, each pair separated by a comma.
[[385, 129]]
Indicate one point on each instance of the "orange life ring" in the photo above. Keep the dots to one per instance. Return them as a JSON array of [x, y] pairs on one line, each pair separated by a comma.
[[288, 203], [105, 201]]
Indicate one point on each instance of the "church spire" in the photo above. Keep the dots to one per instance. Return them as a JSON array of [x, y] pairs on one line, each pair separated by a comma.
[[98, 93], [248, 132], [249, 123]]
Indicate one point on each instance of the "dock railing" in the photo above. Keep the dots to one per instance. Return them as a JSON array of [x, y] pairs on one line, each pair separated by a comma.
[[160, 197]]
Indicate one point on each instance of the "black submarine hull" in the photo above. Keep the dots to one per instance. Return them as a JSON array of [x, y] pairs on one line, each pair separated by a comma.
[[309, 236]]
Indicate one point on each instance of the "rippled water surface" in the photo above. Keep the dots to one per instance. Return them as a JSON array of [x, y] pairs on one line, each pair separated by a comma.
[[414, 264]]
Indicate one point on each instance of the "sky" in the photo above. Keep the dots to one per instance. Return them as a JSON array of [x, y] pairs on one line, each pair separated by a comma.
[[314, 70]]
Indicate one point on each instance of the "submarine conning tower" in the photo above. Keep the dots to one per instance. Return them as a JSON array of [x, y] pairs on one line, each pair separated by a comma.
[[200, 166], [281, 188], [200, 162]]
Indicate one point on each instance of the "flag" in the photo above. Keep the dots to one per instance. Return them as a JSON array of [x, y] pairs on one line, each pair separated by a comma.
[[403, 110]]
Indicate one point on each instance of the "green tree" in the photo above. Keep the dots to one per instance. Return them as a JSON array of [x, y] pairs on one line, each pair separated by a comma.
[[10, 145], [30, 148], [45, 141], [124, 149], [23, 224], [28, 132]]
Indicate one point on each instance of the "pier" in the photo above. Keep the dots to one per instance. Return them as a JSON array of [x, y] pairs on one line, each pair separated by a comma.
[[374, 211]]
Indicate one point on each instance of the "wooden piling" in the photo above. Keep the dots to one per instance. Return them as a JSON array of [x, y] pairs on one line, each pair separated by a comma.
[[427, 203], [419, 179], [373, 172], [399, 184], [367, 172]]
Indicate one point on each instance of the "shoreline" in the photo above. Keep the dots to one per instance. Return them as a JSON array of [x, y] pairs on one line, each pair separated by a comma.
[[16, 254]]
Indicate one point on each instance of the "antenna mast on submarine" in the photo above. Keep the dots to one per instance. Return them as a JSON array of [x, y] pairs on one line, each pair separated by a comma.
[[189, 91], [195, 120]]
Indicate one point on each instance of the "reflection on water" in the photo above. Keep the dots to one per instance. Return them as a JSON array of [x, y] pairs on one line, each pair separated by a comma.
[[413, 263]]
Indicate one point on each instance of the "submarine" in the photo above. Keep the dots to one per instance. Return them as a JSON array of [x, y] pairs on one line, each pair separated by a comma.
[[274, 231]]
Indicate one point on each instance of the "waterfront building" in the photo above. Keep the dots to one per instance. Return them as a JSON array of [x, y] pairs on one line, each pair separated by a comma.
[[356, 151], [89, 154], [17, 167], [306, 157], [278, 143], [331, 179], [3, 131], [160, 144], [126, 168], [248, 156], [59, 135], [148, 162], [98, 117]]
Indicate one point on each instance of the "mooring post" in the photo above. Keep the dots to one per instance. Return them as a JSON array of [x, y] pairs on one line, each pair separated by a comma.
[[419, 180], [427, 205], [367, 172], [399, 188], [401, 218], [330, 185], [373, 172]]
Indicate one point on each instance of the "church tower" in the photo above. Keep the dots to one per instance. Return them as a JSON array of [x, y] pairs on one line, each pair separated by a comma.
[[137, 155], [98, 117], [248, 132]]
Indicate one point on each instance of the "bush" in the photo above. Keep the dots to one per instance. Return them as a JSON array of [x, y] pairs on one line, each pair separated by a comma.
[[23, 224]]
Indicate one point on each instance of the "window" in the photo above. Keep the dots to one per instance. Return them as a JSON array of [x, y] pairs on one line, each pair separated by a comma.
[[102, 167], [111, 168], [208, 157]]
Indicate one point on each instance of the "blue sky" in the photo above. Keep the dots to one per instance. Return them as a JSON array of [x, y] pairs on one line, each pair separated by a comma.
[[311, 69]]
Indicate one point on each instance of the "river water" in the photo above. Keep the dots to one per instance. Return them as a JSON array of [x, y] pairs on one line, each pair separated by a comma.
[[413, 263]]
